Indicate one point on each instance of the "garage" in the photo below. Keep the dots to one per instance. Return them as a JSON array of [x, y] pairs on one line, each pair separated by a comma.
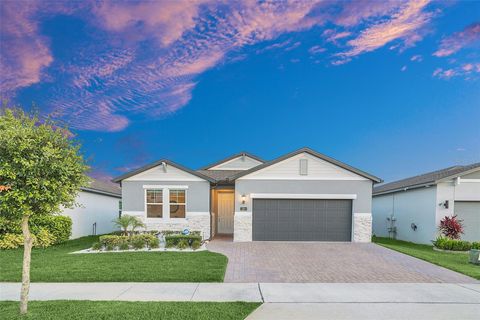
[[469, 212], [302, 220]]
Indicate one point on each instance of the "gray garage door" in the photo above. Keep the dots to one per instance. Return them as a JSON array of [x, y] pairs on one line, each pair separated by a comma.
[[302, 220], [469, 212]]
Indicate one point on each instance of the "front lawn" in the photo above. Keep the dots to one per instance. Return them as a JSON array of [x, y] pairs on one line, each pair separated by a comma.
[[54, 264], [454, 261], [79, 310]]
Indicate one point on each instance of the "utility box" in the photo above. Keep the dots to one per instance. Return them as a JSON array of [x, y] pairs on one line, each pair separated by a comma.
[[475, 256]]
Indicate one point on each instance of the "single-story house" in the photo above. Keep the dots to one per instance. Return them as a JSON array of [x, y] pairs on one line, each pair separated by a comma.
[[99, 206], [301, 196], [411, 209]]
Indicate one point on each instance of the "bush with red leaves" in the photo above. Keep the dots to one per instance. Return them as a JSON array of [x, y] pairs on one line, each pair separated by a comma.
[[451, 227]]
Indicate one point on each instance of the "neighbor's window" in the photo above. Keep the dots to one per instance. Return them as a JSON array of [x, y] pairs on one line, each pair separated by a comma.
[[154, 203], [177, 204]]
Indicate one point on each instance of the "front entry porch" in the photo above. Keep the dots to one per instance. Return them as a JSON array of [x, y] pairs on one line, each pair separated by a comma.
[[223, 207]]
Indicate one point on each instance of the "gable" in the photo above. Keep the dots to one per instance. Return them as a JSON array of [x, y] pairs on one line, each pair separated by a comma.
[[303, 166], [472, 175], [239, 163], [159, 173]]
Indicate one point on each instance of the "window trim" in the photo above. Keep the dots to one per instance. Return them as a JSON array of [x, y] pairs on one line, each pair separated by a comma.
[[165, 202], [158, 204], [178, 204]]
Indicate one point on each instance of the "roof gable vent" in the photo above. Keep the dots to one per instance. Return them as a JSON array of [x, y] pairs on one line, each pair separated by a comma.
[[303, 167]]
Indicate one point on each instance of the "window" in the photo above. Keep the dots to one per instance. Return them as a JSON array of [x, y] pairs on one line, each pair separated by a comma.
[[154, 203], [177, 203]]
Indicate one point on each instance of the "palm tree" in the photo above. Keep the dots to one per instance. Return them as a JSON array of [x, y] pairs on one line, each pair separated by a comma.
[[126, 221]]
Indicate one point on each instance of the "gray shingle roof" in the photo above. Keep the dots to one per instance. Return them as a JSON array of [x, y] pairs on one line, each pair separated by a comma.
[[221, 176], [424, 179], [102, 187]]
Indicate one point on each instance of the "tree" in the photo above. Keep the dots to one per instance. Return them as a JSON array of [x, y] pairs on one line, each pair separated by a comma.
[[41, 169], [126, 221]]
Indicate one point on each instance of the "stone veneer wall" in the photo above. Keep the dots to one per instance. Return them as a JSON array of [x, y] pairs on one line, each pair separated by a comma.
[[242, 227], [199, 221], [362, 227]]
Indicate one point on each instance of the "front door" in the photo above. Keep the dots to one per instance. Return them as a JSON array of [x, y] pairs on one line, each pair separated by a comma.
[[225, 212]]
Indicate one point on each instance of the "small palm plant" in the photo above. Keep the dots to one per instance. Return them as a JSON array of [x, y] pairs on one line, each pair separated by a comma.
[[126, 221]]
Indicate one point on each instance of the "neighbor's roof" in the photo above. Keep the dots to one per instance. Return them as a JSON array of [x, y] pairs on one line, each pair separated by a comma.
[[315, 154], [424, 179], [101, 187], [233, 157], [221, 176], [157, 163]]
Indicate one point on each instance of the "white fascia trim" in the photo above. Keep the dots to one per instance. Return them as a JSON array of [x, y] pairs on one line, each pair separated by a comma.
[[196, 214], [218, 166], [302, 196], [158, 186], [468, 180], [300, 178]]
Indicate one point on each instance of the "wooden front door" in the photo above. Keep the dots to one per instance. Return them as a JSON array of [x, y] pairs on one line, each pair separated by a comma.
[[225, 212]]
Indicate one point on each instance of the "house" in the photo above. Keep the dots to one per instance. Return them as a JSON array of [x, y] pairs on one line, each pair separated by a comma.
[[301, 196], [411, 209], [99, 206]]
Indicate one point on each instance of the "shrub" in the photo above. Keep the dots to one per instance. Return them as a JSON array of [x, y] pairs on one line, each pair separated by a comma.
[[109, 247], [126, 222], [11, 241], [155, 243], [445, 243], [124, 246], [58, 227], [476, 245], [44, 238], [451, 227], [196, 244], [97, 246], [173, 240], [137, 242], [182, 244], [111, 240]]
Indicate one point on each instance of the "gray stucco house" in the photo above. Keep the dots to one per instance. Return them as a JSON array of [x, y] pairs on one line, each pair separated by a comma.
[[411, 209], [301, 196]]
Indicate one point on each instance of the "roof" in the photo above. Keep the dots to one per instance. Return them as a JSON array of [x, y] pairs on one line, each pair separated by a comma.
[[313, 153], [221, 176], [101, 187], [243, 153], [157, 163], [425, 179]]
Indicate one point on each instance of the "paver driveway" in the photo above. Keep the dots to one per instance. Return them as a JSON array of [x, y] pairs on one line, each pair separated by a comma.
[[326, 262]]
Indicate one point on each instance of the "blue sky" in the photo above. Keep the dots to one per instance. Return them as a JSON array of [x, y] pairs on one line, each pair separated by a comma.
[[392, 88]]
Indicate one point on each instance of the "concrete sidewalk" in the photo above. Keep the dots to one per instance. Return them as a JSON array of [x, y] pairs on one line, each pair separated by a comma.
[[261, 292], [341, 301]]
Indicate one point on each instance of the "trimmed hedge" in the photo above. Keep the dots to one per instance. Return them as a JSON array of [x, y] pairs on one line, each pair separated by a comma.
[[47, 230], [452, 244], [174, 240], [139, 241]]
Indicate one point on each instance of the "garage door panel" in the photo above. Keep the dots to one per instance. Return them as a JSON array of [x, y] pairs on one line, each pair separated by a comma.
[[302, 220], [469, 212]]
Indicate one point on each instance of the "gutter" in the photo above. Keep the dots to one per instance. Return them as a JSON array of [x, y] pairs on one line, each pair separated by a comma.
[[426, 185], [106, 193]]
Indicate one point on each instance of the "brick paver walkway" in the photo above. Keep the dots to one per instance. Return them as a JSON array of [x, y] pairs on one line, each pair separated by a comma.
[[326, 262]]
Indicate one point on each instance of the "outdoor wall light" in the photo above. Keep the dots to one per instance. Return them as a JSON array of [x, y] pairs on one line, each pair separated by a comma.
[[244, 197]]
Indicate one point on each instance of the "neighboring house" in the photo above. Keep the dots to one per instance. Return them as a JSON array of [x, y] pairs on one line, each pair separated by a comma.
[[417, 204], [301, 196], [99, 206]]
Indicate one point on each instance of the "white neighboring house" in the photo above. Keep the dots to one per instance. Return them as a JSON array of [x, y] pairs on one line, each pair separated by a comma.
[[99, 205], [417, 204]]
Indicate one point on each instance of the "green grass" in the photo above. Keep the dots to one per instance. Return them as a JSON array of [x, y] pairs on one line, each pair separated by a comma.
[[54, 264], [454, 261], [79, 310]]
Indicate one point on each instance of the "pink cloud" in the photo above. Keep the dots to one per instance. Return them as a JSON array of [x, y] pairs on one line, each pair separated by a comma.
[[316, 50], [459, 40], [28, 54], [466, 70], [403, 24], [417, 58]]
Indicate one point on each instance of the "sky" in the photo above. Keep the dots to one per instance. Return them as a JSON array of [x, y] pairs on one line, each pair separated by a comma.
[[390, 87]]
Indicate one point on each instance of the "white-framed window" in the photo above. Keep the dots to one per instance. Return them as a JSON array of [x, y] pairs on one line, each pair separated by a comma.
[[165, 202], [154, 201], [177, 203]]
